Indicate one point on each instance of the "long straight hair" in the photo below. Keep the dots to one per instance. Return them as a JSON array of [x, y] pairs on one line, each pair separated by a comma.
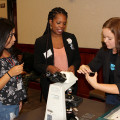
[[5, 28]]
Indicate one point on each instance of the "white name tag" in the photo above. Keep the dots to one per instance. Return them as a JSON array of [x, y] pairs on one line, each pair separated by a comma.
[[49, 53], [12, 116], [19, 86]]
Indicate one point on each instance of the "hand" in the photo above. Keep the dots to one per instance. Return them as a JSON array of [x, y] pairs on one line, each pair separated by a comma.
[[24, 73], [71, 69], [92, 80], [20, 57], [20, 106], [16, 70], [84, 69], [52, 69]]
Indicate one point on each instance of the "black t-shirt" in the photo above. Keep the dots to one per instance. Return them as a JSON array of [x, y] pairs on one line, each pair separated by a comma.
[[112, 67]]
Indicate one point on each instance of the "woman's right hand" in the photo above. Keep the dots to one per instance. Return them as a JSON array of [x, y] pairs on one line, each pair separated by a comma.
[[84, 69], [16, 70], [52, 69]]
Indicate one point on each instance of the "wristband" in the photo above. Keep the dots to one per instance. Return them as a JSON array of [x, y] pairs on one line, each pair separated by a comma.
[[9, 75]]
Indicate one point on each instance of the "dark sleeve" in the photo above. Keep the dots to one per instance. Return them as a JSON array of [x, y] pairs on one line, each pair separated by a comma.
[[97, 62], [39, 59], [76, 59], [118, 85]]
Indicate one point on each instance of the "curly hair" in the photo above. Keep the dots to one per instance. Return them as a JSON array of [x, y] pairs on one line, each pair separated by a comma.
[[51, 16]]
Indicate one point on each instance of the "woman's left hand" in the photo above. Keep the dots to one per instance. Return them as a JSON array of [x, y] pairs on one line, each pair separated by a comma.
[[92, 80], [71, 69], [20, 106]]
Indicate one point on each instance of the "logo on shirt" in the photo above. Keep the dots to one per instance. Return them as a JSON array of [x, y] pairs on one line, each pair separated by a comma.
[[48, 53], [69, 40], [112, 67]]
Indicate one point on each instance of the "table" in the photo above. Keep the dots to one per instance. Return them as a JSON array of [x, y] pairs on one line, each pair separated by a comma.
[[87, 110]]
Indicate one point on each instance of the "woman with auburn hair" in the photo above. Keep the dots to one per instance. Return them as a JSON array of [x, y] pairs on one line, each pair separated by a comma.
[[108, 57]]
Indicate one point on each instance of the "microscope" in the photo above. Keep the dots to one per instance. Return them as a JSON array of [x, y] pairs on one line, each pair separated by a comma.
[[60, 101]]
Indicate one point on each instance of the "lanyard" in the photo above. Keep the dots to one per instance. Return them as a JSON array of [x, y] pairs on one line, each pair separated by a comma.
[[12, 63]]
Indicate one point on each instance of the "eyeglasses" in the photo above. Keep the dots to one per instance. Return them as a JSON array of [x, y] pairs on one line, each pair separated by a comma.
[[11, 34]]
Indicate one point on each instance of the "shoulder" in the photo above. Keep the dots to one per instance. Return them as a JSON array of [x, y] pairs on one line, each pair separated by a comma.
[[71, 36], [68, 34], [103, 52], [41, 40]]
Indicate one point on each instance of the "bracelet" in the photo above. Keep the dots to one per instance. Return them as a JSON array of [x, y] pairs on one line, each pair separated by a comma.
[[9, 74]]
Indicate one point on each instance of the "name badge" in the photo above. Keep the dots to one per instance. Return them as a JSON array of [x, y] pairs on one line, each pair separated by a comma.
[[19, 86], [49, 53]]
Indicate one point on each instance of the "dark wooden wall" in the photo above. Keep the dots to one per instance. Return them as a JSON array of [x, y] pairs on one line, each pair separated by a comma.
[[87, 54]]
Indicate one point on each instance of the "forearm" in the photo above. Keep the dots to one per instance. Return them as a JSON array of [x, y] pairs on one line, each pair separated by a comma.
[[108, 88], [3, 80], [20, 106]]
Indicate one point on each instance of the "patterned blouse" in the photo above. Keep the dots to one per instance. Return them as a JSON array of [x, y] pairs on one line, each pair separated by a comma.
[[13, 92]]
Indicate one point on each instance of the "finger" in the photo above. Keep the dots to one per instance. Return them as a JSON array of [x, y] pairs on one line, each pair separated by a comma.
[[86, 70], [20, 68], [83, 71], [22, 64], [86, 74], [69, 69], [59, 70], [79, 71], [95, 74]]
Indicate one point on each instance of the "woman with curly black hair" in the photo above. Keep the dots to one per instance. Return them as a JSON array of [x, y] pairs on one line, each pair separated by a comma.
[[56, 50]]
